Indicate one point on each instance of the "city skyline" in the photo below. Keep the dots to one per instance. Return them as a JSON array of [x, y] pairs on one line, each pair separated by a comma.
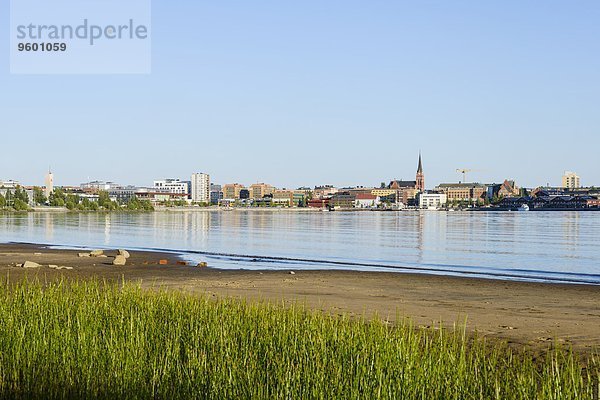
[[496, 88], [569, 179]]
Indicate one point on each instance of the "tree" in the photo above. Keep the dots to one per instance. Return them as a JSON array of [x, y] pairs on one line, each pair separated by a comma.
[[2, 201], [57, 198], [21, 194], [104, 200], [9, 198], [38, 196], [20, 205]]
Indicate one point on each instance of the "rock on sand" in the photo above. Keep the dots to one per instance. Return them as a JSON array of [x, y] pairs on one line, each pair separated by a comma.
[[124, 253], [119, 260], [31, 264]]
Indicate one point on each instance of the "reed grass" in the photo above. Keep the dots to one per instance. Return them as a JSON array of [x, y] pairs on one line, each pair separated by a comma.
[[97, 340]]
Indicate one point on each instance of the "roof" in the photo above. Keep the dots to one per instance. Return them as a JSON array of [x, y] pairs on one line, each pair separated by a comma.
[[403, 183], [365, 196], [460, 185], [420, 167]]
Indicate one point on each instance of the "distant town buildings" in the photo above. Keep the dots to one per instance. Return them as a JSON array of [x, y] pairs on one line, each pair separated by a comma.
[[201, 188], [570, 180], [398, 194]]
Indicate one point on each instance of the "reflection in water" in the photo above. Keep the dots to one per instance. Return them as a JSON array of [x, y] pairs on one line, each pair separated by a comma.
[[107, 229], [550, 243]]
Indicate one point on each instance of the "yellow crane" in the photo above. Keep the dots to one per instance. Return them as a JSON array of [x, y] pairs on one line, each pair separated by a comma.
[[464, 172]]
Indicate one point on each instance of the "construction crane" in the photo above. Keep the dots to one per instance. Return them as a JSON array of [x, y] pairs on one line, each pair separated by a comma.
[[463, 171]]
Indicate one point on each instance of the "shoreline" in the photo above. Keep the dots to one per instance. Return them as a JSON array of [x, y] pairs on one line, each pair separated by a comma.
[[525, 314]]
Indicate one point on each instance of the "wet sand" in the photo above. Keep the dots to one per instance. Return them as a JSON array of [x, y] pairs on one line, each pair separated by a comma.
[[523, 313]]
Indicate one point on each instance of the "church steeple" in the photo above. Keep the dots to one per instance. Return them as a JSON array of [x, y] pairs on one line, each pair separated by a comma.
[[420, 179]]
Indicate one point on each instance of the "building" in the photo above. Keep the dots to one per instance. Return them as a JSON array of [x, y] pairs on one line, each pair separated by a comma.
[[216, 193], [122, 195], [366, 200], [319, 203], [172, 185], [509, 188], [406, 191], [48, 184], [283, 197], [10, 184], [301, 196], [570, 180], [342, 200], [506, 189], [95, 186], [420, 177], [244, 194], [200, 188], [324, 192], [231, 191], [260, 190], [160, 197], [463, 192], [432, 201]]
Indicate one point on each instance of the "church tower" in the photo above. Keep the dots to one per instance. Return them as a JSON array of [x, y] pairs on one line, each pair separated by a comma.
[[420, 180]]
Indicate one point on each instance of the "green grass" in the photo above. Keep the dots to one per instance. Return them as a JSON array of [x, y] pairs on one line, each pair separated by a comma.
[[91, 339]]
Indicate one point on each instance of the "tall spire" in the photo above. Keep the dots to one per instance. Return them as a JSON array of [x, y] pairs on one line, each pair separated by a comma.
[[420, 178]]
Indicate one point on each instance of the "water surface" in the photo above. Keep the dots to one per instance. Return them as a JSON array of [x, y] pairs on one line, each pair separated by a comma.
[[562, 246]]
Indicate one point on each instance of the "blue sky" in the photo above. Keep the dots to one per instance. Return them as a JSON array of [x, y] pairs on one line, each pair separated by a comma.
[[323, 92]]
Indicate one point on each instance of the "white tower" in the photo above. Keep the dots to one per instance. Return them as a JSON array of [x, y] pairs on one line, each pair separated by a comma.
[[49, 182]]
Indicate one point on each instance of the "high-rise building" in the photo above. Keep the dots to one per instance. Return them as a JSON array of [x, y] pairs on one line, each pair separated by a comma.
[[570, 180], [49, 184], [201, 188]]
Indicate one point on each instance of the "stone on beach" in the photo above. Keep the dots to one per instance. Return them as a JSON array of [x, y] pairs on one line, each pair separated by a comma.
[[31, 264], [57, 267], [163, 262], [83, 255], [181, 263], [203, 264], [124, 253], [119, 260], [96, 253]]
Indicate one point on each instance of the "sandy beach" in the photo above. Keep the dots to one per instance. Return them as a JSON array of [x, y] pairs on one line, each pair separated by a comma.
[[530, 314]]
